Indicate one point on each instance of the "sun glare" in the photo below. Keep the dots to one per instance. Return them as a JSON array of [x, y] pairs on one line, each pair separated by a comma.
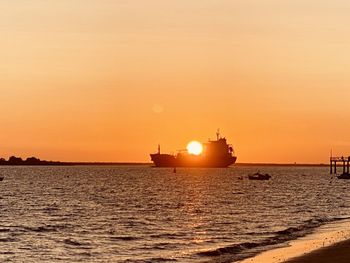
[[195, 148]]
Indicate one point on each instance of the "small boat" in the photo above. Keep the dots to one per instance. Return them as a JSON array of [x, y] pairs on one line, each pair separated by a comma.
[[344, 176], [259, 176]]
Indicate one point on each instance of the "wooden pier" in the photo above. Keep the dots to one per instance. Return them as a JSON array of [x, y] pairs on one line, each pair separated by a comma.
[[344, 161]]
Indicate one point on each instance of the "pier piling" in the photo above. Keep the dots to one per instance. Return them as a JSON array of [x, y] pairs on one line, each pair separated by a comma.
[[345, 161]]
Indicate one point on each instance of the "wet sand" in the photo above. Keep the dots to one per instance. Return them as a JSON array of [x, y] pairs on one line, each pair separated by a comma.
[[339, 252], [329, 243]]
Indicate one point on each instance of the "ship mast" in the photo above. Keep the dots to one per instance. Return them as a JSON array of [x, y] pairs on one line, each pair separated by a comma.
[[158, 148], [218, 134]]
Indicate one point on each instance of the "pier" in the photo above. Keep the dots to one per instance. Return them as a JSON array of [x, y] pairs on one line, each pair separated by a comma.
[[343, 161]]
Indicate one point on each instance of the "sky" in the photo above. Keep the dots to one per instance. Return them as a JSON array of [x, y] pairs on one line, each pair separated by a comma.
[[107, 80]]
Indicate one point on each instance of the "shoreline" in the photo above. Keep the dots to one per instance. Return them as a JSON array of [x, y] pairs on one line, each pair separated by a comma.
[[323, 245], [338, 252]]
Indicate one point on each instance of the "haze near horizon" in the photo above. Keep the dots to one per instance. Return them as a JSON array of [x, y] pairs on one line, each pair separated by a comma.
[[109, 80]]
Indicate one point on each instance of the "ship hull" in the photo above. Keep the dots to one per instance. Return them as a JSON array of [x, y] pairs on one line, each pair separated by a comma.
[[163, 160], [166, 160]]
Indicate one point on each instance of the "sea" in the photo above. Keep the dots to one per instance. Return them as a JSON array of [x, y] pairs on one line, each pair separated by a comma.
[[144, 214]]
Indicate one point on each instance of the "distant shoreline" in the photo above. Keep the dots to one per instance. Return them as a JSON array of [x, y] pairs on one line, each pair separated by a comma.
[[283, 164], [34, 161], [58, 163]]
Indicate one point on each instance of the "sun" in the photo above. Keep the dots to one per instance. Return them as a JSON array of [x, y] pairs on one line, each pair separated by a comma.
[[195, 148]]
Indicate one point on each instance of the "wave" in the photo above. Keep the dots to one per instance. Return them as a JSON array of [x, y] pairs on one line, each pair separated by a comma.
[[41, 229], [7, 239], [234, 249], [278, 237], [161, 260], [72, 242], [151, 260], [238, 193], [168, 235], [304, 228], [123, 238]]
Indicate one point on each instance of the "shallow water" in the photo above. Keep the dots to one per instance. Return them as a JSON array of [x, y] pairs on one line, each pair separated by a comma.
[[143, 214]]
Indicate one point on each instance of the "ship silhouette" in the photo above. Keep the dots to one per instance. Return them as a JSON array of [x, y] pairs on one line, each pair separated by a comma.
[[216, 153]]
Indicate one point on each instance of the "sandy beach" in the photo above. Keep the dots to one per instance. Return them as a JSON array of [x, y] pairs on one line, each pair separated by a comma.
[[339, 253], [329, 243]]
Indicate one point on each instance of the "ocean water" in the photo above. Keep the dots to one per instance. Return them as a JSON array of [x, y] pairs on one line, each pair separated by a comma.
[[144, 214]]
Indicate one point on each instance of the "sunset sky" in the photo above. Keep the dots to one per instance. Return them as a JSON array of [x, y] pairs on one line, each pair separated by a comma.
[[107, 80]]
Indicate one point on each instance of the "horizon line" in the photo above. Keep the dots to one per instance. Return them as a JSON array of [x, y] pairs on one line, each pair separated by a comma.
[[236, 164]]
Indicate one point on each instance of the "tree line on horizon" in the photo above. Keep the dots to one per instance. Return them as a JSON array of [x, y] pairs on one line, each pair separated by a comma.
[[13, 160]]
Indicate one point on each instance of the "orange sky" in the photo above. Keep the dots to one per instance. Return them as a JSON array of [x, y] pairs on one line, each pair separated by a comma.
[[108, 80]]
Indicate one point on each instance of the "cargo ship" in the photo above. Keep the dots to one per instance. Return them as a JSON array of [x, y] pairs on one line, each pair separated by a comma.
[[215, 153]]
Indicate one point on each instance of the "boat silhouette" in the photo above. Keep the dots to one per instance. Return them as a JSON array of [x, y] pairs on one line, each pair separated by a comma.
[[216, 153], [343, 176], [259, 176]]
